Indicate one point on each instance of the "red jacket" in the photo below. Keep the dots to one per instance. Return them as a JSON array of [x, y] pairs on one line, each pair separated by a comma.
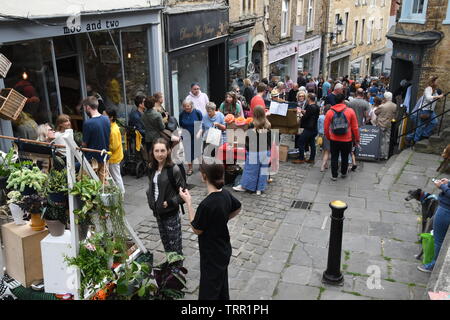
[[353, 132]]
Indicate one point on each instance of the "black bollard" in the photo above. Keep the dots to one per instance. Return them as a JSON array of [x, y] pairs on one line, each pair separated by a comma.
[[392, 138], [333, 273]]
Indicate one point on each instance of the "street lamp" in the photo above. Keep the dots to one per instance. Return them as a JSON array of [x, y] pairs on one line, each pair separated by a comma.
[[339, 29]]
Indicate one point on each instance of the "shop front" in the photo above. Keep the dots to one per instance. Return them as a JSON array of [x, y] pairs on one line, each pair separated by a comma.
[[283, 62], [339, 61], [113, 56], [309, 56], [196, 53]]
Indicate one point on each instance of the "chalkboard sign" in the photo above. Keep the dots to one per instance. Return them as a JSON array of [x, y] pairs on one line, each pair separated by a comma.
[[370, 143]]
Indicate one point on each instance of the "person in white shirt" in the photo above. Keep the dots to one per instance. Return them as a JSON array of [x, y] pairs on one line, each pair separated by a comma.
[[198, 98]]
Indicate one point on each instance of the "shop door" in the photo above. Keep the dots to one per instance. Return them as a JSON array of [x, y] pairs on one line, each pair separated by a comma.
[[217, 73]]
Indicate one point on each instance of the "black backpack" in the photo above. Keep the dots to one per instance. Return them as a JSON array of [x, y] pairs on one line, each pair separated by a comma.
[[173, 182], [339, 123]]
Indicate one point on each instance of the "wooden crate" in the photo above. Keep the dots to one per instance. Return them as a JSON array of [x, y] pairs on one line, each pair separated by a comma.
[[11, 104], [23, 259], [5, 64]]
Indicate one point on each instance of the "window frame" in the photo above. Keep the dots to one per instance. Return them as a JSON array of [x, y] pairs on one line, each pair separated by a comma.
[[363, 25], [346, 15], [355, 33], [370, 28], [311, 13], [407, 16], [299, 13], [284, 23]]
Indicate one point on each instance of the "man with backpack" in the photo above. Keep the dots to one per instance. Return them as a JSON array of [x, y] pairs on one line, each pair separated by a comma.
[[341, 128]]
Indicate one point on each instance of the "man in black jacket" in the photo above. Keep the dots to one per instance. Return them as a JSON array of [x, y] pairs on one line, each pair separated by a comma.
[[309, 125]]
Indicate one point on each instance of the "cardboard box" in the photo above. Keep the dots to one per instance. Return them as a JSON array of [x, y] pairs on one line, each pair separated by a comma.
[[283, 152], [57, 276], [22, 252]]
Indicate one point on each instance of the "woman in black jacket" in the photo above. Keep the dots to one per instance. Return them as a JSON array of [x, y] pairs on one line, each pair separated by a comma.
[[165, 180], [309, 124]]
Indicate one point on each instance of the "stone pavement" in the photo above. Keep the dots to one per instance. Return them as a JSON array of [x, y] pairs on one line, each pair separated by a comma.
[[280, 252]]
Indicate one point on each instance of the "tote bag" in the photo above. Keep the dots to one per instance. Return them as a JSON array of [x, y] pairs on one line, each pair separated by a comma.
[[214, 136]]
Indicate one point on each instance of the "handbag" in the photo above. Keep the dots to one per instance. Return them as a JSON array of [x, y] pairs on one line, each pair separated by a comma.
[[172, 124], [214, 136]]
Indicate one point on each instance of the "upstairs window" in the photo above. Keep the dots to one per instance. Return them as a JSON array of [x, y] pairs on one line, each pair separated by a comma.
[[284, 18], [447, 19], [414, 11], [310, 25]]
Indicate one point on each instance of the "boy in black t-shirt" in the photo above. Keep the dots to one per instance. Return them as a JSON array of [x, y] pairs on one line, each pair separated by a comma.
[[209, 222]]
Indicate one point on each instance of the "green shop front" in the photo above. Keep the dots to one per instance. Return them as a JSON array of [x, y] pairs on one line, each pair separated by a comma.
[[56, 63]]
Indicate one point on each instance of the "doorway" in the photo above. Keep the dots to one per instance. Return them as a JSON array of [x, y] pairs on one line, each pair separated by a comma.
[[257, 60]]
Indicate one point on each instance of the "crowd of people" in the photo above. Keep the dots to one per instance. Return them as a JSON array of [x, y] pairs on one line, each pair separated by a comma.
[[329, 111]]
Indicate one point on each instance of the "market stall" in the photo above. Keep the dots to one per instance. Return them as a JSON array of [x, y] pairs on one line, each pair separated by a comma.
[[98, 256]]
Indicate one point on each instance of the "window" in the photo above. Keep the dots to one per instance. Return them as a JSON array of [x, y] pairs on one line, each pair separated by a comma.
[[285, 18], [310, 15], [299, 19], [363, 24], [355, 35], [244, 5], [380, 29], [370, 32], [447, 19], [346, 26], [373, 3], [336, 19], [357, 3], [383, 3], [414, 11]]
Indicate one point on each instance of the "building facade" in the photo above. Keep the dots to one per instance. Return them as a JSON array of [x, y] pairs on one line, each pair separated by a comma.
[[354, 37], [420, 45], [59, 57]]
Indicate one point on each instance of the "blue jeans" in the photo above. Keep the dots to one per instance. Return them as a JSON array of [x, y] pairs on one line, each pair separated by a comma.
[[307, 137], [441, 222], [427, 129], [256, 171]]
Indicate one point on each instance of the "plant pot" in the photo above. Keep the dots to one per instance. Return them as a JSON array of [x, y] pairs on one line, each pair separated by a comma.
[[37, 223], [28, 191], [58, 197], [109, 199], [17, 214], [3, 182], [55, 227]]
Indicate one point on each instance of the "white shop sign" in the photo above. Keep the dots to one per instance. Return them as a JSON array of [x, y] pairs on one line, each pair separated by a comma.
[[309, 46], [282, 52]]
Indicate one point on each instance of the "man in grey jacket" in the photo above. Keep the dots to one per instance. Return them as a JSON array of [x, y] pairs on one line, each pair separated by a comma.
[[385, 113], [361, 107]]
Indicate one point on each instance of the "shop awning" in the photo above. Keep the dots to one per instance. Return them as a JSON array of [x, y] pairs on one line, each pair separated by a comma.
[[419, 38], [381, 52]]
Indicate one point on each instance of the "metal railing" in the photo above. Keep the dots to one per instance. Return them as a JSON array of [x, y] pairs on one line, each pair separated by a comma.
[[415, 115]]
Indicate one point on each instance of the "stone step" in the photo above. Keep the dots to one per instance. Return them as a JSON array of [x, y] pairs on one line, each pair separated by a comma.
[[435, 139], [445, 134], [393, 168], [422, 146]]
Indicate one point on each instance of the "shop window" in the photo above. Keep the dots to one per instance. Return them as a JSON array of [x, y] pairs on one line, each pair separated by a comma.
[[101, 52], [281, 68], [447, 18], [31, 74], [237, 65], [414, 11]]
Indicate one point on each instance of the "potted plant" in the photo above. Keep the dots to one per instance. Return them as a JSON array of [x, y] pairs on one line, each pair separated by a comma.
[[87, 190], [56, 186], [110, 195], [34, 205], [17, 213], [55, 217], [93, 261], [27, 181]]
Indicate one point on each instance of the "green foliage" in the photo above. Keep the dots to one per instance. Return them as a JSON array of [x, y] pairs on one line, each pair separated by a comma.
[[25, 177], [33, 203], [57, 181], [55, 212], [92, 260], [6, 163], [87, 189], [14, 197], [136, 282]]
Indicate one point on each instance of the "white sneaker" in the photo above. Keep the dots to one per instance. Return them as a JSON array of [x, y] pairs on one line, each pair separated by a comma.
[[258, 193], [239, 188]]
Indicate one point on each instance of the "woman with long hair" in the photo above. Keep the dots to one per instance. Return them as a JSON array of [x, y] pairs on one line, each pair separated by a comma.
[[159, 100], [163, 197], [152, 121], [45, 133], [257, 146], [209, 222], [230, 105]]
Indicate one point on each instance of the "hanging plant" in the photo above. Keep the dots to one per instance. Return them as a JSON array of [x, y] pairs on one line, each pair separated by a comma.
[[87, 189]]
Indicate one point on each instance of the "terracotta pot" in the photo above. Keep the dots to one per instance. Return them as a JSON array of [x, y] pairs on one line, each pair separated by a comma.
[[55, 227], [37, 224]]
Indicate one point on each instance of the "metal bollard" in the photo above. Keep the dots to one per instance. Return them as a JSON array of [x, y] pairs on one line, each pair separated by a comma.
[[392, 138], [333, 273]]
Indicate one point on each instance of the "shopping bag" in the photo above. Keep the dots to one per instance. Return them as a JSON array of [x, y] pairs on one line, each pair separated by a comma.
[[214, 136], [428, 247]]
